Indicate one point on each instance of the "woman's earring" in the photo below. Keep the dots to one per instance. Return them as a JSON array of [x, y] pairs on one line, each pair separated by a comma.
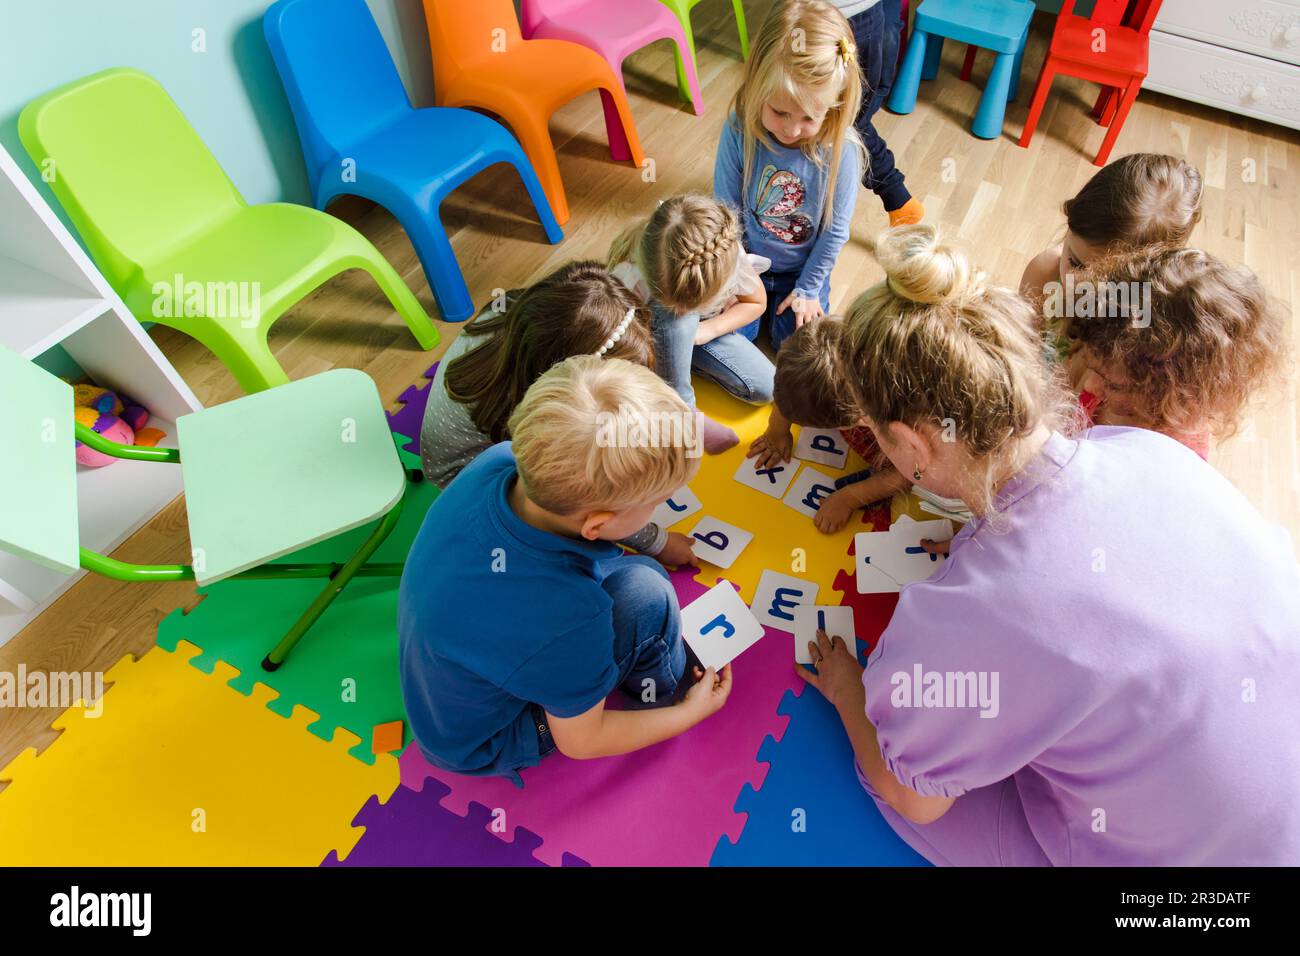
[[916, 474]]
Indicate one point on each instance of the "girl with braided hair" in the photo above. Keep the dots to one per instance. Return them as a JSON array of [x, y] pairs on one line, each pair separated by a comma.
[[687, 263]]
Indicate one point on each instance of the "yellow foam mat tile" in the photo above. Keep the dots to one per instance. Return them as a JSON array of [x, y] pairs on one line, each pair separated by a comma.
[[785, 540], [179, 770]]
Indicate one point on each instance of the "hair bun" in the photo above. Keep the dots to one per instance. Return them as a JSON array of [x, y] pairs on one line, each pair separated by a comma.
[[920, 268]]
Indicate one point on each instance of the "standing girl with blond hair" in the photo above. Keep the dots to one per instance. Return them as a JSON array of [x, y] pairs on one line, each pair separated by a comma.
[[790, 158], [1100, 672]]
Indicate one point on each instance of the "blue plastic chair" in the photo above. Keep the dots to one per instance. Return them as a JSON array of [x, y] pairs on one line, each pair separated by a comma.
[[361, 136], [1001, 26]]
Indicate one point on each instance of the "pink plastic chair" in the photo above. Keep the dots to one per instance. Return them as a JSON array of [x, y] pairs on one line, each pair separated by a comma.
[[615, 30]]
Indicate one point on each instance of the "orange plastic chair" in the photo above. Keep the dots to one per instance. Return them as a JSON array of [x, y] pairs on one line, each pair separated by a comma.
[[482, 61]]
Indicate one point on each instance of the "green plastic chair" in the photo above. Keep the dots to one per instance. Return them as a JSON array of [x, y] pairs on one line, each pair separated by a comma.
[[161, 217], [682, 8], [264, 476]]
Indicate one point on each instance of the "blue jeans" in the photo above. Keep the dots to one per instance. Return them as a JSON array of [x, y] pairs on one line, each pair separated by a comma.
[[778, 286], [732, 360], [876, 34], [648, 649]]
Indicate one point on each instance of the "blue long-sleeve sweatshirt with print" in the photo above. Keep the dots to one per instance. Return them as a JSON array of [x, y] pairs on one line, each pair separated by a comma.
[[782, 207]]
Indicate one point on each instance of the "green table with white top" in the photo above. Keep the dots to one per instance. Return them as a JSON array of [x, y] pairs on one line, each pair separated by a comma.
[[264, 475]]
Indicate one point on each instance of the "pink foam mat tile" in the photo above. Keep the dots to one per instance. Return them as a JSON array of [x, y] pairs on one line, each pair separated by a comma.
[[665, 805]]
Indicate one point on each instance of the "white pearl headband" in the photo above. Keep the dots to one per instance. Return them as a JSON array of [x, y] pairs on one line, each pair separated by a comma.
[[618, 333]]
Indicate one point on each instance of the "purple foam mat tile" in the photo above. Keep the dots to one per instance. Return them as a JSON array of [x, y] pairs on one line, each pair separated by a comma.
[[407, 419], [664, 805], [413, 829]]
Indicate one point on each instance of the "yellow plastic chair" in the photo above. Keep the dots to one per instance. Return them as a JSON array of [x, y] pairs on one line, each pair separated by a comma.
[[173, 235]]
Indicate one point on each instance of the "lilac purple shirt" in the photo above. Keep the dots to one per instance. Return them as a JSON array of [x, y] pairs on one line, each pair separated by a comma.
[[1143, 623]]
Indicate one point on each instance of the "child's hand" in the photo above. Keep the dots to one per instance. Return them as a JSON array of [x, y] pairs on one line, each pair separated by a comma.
[[839, 675], [835, 512], [677, 552], [935, 547], [772, 448], [709, 693], [706, 331], [805, 310]]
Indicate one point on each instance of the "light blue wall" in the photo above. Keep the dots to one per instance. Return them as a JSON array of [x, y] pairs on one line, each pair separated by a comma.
[[231, 93]]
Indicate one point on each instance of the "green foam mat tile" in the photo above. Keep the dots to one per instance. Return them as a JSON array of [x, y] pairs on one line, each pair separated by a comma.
[[345, 668]]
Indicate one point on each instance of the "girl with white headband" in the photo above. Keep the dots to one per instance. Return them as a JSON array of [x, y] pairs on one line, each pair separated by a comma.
[[580, 309]]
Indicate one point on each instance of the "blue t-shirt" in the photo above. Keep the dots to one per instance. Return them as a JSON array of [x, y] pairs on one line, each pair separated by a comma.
[[783, 207], [495, 615]]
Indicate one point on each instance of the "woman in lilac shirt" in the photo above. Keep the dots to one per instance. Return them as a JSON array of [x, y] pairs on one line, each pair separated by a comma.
[[1106, 670]]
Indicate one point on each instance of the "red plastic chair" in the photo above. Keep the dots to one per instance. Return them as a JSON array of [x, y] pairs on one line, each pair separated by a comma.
[[902, 37], [1119, 66]]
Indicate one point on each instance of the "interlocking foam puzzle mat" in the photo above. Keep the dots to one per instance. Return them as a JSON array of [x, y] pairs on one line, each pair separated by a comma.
[[178, 771], [202, 758], [345, 669]]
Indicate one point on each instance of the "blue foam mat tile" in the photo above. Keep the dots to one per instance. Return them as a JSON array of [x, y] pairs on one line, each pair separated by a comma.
[[811, 810]]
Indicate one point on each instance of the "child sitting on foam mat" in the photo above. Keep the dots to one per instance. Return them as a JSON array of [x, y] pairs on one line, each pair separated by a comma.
[[518, 614]]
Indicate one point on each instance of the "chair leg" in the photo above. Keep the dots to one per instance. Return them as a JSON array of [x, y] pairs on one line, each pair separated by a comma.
[[535, 138], [1108, 110], [968, 65], [1017, 64], [1103, 100], [1041, 90], [933, 53], [336, 584], [688, 79], [902, 36], [1121, 114], [429, 237], [993, 104], [402, 298], [739, 7], [624, 144], [252, 363], [536, 193], [902, 98]]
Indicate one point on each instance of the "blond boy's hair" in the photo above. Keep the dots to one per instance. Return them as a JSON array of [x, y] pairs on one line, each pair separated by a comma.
[[596, 433], [686, 250], [805, 48]]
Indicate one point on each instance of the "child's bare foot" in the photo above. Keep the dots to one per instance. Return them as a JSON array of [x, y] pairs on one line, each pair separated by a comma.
[[717, 437]]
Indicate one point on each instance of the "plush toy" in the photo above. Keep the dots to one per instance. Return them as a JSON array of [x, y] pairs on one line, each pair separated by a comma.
[[116, 418]]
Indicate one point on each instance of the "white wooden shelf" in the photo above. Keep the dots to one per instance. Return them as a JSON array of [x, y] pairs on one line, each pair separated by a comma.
[[51, 295], [37, 309]]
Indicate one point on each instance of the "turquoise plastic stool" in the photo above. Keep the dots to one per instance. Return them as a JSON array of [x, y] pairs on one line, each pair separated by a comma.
[[998, 25]]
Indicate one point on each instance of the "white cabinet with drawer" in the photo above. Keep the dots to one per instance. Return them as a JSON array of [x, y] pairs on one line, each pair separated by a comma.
[[1239, 55]]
